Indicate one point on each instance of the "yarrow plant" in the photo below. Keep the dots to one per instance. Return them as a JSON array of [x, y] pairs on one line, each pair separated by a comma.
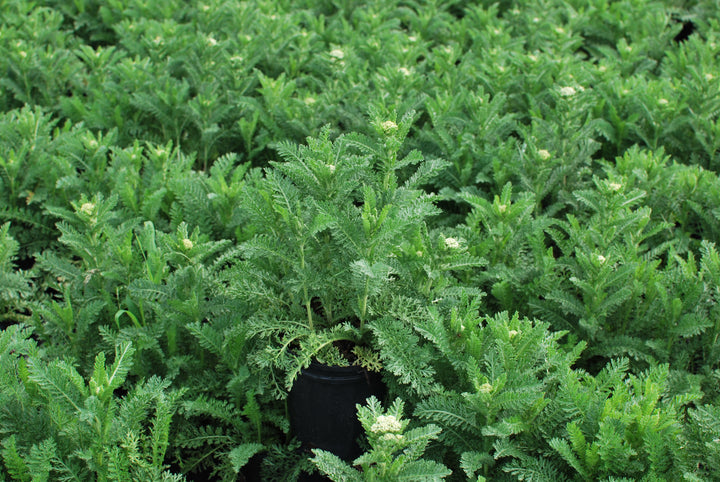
[[395, 451], [156, 182], [330, 218]]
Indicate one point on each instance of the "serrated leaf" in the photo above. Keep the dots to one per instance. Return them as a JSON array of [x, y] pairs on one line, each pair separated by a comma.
[[241, 455]]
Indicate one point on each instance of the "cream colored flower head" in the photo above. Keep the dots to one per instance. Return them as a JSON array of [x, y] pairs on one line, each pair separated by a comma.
[[385, 424], [389, 126], [485, 388], [87, 208], [452, 243], [337, 54], [187, 244], [544, 154], [567, 91]]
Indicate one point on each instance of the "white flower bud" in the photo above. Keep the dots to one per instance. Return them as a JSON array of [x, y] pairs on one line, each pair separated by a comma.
[[485, 388], [386, 423], [87, 208], [389, 126], [567, 91], [452, 243], [544, 154], [187, 244]]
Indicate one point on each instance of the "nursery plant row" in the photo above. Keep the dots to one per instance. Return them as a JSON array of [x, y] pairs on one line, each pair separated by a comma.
[[501, 217]]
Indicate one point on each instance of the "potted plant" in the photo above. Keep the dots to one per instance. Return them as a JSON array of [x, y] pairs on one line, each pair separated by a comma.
[[327, 223]]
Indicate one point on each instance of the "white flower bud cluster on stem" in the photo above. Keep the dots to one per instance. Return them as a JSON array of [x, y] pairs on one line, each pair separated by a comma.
[[385, 424], [452, 243], [87, 208], [389, 126]]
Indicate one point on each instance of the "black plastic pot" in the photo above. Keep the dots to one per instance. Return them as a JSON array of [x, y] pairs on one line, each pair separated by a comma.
[[251, 472], [322, 407]]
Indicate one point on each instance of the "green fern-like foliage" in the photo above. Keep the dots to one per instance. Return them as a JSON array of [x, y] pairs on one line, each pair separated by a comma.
[[330, 219], [31, 167], [87, 431], [395, 451], [701, 436], [620, 283], [215, 436], [624, 428], [52, 70], [16, 285], [505, 370], [509, 235], [134, 279]]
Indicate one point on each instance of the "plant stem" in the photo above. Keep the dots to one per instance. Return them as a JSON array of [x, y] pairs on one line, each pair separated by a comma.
[[306, 298], [363, 306]]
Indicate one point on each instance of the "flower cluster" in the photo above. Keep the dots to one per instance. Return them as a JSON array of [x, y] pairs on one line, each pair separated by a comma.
[[385, 424]]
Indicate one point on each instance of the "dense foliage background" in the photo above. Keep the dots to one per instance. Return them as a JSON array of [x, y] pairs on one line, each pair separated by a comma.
[[562, 307]]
